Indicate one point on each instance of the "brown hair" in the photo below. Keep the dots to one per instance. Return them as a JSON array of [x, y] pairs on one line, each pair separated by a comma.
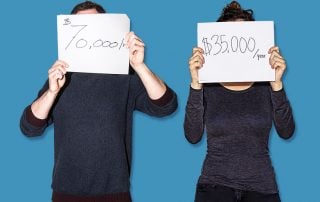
[[87, 5], [233, 11]]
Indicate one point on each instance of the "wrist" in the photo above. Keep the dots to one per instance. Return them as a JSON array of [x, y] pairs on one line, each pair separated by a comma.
[[196, 85], [139, 68], [137, 65], [51, 93], [276, 85]]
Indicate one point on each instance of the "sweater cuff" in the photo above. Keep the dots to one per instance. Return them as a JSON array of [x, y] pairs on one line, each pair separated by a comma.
[[196, 93], [279, 97], [164, 99], [33, 120], [195, 96], [196, 90]]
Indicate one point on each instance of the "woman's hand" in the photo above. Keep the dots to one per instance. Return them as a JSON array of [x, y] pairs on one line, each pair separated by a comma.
[[278, 63], [196, 62]]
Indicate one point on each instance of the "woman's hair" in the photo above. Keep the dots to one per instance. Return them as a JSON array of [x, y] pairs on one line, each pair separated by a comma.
[[233, 12], [87, 5]]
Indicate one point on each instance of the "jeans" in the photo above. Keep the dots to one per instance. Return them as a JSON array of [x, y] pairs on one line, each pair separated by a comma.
[[218, 193]]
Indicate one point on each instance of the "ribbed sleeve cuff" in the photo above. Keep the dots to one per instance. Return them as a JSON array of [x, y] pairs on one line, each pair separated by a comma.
[[196, 96], [165, 98], [196, 90], [279, 97], [33, 120]]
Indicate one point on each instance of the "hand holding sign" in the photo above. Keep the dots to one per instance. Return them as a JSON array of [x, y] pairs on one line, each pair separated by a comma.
[[236, 51], [196, 62], [94, 43], [277, 63], [136, 49], [56, 76]]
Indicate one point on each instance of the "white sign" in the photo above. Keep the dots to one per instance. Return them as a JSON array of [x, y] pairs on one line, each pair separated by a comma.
[[94, 43], [236, 51]]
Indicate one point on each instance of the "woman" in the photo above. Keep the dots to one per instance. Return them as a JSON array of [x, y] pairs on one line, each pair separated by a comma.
[[238, 118]]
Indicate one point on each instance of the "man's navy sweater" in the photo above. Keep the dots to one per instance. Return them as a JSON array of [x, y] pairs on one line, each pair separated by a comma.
[[92, 119]]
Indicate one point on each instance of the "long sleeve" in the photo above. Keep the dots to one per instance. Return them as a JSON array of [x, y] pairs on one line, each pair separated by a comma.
[[30, 125], [163, 106], [193, 122], [282, 114]]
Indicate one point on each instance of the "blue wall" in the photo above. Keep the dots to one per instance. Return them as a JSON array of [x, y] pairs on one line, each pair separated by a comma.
[[165, 165]]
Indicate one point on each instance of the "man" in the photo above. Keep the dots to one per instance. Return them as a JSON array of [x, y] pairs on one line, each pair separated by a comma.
[[92, 116]]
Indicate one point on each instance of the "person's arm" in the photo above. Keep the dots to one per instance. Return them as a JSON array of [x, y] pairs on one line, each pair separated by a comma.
[[155, 97], [196, 62], [163, 106], [282, 112], [34, 119], [154, 85], [277, 63], [56, 77], [193, 121]]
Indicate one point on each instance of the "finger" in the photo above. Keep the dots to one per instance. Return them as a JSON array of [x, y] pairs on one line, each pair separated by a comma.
[[128, 35], [196, 58], [275, 58], [274, 48], [196, 62], [135, 37], [136, 43], [277, 65], [63, 63], [59, 64], [278, 62], [60, 67], [196, 65], [132, 35], [127, 38], [55, 75], [197, 49], [275, 54], [59, 75], [136, 49], [197, 54]]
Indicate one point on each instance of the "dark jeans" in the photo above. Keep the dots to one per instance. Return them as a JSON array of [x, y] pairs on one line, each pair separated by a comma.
[[218, 193], [118, 197]]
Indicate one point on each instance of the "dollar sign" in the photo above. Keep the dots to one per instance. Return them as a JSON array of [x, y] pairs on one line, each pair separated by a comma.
[[207, 46], [67, 21]]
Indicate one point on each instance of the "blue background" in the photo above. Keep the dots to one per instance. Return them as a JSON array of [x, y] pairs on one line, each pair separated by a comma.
[[165, 166]]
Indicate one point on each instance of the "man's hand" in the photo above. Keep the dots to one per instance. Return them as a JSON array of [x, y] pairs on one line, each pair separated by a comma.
[[136, 50], [56, 75]]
